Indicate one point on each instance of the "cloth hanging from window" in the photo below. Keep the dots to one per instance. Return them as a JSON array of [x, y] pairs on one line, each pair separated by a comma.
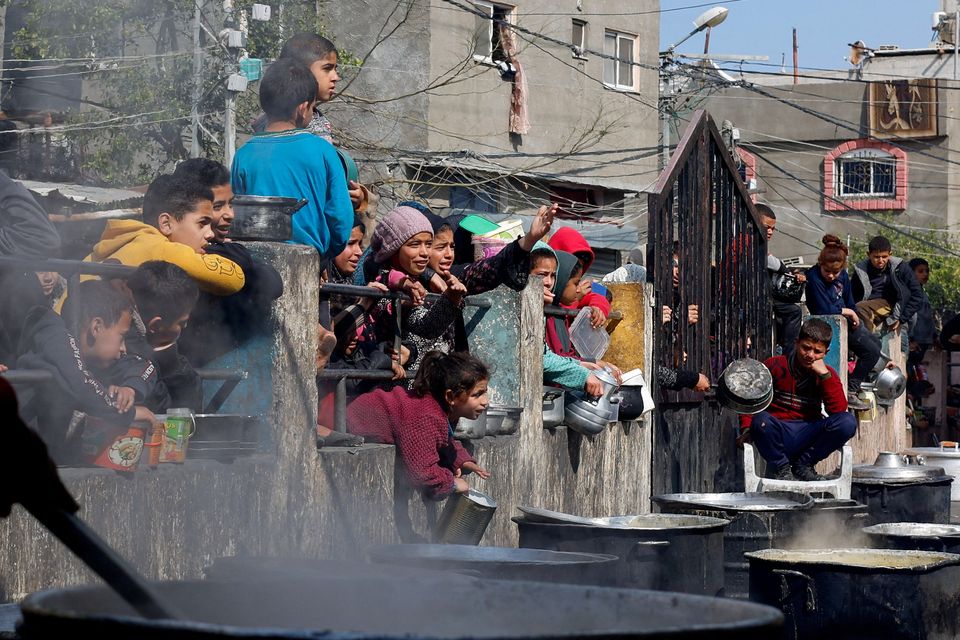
[[519, 122]]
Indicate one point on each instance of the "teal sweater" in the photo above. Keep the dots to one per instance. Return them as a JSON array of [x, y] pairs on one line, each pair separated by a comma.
[[563, 371], [298, 164]]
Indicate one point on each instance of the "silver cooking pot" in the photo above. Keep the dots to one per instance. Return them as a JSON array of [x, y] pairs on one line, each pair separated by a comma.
[[264, 217], [890, 384], [590, 415]]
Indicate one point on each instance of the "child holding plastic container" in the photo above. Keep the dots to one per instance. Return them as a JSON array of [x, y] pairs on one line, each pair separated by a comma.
[[420, 421]]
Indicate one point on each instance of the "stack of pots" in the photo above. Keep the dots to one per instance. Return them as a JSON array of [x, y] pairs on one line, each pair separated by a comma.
[[895, 491], [656, 551], [757, 521]]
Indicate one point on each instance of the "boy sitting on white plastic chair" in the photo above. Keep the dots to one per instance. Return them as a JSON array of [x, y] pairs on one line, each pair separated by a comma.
[[792, 435]]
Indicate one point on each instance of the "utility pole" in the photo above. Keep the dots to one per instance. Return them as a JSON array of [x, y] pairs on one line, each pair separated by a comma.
[[234, 46], [197, 79]]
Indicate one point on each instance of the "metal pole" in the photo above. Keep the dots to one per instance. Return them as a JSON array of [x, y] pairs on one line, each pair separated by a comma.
[[197, 72], [795, 58], [230, 109], [340, 406], [956, 41]]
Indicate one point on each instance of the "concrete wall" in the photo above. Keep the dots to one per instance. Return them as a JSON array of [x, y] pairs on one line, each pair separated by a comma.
[[294, 501]]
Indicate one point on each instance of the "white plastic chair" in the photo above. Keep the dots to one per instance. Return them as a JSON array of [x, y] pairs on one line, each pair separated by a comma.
[[838, 487]]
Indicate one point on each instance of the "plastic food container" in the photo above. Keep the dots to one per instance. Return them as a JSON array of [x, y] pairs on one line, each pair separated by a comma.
[[589, 342]]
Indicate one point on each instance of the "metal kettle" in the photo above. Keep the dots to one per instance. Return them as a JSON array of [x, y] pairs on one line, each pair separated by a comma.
[[590, 415]]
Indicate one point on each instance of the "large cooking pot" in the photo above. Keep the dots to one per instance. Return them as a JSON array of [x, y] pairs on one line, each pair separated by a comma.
[[745, 386], [660, 551], [895, 491], [264, 217], [340, 605], [500, 563], [590, 415], [858, 594], [920, 536], [946, 457], [757, 521]]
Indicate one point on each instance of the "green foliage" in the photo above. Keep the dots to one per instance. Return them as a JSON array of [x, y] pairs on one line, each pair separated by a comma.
[[139, 79], [943, 289]]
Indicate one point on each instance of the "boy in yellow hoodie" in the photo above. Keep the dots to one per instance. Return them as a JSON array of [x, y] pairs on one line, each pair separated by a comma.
[[176, 228]]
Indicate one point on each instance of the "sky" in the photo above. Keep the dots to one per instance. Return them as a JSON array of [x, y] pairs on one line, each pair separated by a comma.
[[824, 27]]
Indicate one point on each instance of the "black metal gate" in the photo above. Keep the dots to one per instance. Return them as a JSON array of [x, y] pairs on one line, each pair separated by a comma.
[[707, 248]]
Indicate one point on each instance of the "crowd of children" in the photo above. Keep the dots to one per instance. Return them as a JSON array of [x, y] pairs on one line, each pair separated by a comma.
[[126, 349]]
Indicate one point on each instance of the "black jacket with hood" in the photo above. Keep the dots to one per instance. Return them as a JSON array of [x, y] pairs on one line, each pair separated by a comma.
[[909, 291]]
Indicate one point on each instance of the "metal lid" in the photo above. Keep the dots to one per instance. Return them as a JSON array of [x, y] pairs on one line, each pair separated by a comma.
[[943, 452], [890, 467], [914, 530], [770, 501]]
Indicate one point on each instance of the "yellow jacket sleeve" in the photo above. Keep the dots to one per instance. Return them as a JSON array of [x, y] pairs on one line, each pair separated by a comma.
[[213, 274]]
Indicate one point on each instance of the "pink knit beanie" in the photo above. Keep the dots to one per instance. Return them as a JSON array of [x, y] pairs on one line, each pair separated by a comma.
[[394, 229]]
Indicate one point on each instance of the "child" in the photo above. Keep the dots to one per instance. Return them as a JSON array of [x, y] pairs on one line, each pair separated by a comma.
[[792, 435], [54, 288], [922, 325], [885, 289], [786, 315], [287, 160], [400, 254], [420, 421], [164, 296], [570, 240], [559, 370], [77, 360], [829, 292], [222, 323], [320, 56], [177, 214]]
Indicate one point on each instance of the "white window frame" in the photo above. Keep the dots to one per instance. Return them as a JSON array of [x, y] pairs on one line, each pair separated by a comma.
[[579, 48], [872, 157], [634, 39], [489, 8]]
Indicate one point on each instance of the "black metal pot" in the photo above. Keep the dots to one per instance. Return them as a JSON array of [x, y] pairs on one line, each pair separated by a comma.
[[757, 521], [500, 563], [356, 607], [856, 594], [659, 551], [919, 536], [905, 501], [264, 218], [631, 403]]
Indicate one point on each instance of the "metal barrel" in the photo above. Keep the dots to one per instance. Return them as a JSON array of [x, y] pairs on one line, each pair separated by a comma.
[[465, 518]]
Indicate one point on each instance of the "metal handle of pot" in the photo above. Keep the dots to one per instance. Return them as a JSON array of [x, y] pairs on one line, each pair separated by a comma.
[[810, 604]]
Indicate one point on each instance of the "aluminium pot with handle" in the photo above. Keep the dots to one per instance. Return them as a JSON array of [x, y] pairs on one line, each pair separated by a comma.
[[266, 218], [590, 415], [667, 552], [858, 594]]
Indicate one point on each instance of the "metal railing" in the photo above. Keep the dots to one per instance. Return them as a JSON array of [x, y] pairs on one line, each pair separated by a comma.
[[72, 270]]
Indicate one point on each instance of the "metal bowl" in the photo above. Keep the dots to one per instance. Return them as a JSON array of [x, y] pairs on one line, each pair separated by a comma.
[[745, 386]]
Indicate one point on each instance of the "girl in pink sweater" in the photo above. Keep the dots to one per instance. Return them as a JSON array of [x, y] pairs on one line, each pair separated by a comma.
[[448, 386]]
